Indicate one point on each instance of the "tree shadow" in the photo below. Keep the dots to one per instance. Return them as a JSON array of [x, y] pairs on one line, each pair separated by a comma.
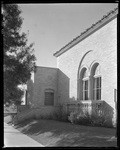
[[24, 123], [86, 141], [63, 87], [68, 134]]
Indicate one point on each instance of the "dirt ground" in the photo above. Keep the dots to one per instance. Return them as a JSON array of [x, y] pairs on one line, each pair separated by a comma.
[[52, 133]]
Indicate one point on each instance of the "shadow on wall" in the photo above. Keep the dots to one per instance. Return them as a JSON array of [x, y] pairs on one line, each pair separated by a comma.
[[63, 87], [104, 113]]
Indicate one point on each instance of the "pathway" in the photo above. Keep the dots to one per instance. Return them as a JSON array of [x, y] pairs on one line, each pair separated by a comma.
[[14, 138]]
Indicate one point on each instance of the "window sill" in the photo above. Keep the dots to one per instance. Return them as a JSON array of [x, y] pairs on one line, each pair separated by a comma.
[[91, 101]]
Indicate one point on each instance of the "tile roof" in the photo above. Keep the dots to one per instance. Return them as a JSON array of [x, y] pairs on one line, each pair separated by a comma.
[[104, 20]]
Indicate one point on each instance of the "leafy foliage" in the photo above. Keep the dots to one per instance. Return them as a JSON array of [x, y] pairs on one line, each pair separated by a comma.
[[80, 118], [86, 119], [19, 60]]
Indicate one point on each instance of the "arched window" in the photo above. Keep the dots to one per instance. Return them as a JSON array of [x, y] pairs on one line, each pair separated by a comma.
[[83, 84], [49, 97], [96, 88]]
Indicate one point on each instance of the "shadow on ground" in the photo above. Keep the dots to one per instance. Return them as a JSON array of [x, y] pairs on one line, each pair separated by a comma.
[[62, 134]]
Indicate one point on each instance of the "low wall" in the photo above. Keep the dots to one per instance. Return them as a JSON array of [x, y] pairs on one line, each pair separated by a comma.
[[94, 107], [36, 113], [45, 111]]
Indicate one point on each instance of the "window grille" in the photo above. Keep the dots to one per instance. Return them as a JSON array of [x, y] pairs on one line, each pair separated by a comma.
[[49, 97]]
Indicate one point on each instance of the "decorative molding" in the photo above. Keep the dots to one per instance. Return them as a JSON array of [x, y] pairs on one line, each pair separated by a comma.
[[80, 67], [99, 24]]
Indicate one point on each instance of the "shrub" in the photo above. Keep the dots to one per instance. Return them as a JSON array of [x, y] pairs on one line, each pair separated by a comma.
[[56, 116], [60, 116], [85, 119], [64, 117], [73, 117], [80, 118], [97, 120], [47, 116]]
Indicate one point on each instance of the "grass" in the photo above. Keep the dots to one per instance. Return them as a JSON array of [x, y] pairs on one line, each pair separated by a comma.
[[52, 133]]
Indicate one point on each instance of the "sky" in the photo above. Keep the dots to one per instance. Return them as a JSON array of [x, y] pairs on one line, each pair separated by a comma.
[[52, 26]]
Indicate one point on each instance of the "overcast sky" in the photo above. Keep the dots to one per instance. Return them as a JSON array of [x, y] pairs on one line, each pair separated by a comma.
[[52, 26]]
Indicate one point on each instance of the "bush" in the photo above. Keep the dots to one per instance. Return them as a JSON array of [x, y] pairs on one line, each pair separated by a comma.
[[46, 117], [60, 116], [73, 117], [86, 119], [64, 116], [56, 116], [97, 120], [80, 118]]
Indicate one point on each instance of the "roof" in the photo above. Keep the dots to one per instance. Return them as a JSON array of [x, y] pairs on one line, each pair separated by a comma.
[[103, 21], [46, 67]]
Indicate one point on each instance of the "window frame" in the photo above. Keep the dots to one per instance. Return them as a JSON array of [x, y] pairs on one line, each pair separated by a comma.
[[97, 87], [50, 91], [84, 90]]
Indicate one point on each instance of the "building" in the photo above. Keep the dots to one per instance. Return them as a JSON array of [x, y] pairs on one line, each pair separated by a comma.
[[86, 73]]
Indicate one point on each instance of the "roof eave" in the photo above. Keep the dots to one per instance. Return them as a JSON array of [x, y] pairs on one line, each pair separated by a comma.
[[87, 33]]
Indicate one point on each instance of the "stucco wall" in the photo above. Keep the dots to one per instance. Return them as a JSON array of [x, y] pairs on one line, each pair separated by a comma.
[[103, 44], [63, 87], [44, 78], [101, 47]]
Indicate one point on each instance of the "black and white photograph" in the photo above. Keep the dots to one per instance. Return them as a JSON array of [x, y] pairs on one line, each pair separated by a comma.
[[60, 74]]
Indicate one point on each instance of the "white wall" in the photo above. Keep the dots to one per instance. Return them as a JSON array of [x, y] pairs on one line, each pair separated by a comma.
[[103, 44]]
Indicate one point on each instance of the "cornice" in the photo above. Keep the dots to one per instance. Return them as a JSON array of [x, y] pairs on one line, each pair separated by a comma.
[[46, 67], [99, 24]]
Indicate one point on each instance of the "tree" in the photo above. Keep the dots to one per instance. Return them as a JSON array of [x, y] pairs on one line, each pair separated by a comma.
[[19, 60]]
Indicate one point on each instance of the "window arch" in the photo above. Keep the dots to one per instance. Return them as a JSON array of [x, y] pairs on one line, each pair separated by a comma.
[[83, 84], [96, 82]]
